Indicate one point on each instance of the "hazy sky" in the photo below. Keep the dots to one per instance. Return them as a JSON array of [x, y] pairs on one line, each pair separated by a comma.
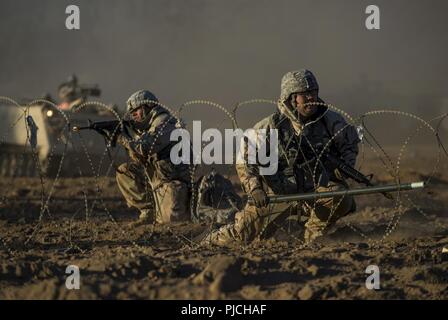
[[230, 51]]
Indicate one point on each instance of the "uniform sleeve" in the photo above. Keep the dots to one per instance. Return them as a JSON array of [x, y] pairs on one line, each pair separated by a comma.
[[346, 140], [249, 174]]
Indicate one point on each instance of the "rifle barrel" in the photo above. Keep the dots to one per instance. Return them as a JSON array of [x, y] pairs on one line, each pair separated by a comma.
[[348, 192]]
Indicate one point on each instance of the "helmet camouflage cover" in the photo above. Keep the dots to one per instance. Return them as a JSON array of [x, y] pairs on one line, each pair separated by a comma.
[[141, 98], [297, 82]]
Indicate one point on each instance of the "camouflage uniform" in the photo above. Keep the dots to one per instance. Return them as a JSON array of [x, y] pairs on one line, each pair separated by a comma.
[[150, 150], [299, 143]]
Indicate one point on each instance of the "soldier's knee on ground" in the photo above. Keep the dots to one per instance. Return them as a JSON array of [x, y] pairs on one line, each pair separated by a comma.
[[325, 212]]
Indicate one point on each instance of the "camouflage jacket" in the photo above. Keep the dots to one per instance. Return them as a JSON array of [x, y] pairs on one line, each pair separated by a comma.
[[299, 145], [154, 146]]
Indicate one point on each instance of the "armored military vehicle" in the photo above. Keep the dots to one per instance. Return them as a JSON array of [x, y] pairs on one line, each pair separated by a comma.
[[37, 139]]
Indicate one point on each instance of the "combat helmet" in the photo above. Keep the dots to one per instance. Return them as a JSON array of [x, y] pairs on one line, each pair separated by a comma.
[[297, 82], [139, 99]]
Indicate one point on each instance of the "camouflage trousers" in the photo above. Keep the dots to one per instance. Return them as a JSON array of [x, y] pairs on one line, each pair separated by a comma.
[[257, 223], [164, 201]]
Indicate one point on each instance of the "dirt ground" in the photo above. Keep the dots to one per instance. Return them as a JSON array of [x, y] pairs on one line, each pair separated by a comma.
[[162, 262]]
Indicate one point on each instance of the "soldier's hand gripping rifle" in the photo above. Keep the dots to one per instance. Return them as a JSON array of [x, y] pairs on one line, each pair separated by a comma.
[[110, 130], [348, 171]]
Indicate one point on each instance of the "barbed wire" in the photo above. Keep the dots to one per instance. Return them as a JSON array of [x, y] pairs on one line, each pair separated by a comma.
[[64, 140]]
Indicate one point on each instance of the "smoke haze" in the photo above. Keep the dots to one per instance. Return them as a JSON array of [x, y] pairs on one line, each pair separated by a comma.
[[230, 51]]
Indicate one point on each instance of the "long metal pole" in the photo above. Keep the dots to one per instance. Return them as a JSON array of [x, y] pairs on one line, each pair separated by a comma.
[[348, 192]]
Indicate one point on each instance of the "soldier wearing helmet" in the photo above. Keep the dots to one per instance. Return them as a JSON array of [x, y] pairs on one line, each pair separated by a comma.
[[304, 130], [166, 198]]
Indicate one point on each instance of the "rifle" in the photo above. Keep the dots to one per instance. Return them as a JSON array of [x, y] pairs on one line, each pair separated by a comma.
[[109, 129], [348, 192], [347, 171]]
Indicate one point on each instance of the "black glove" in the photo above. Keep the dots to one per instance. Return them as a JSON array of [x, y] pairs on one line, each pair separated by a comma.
[[260, 198]]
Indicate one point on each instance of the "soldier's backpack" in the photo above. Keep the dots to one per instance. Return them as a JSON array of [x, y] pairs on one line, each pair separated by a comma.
[[216, 200]]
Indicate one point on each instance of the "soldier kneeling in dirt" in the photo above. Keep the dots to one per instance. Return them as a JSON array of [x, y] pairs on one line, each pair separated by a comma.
[[304, 130], [166, 198]]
